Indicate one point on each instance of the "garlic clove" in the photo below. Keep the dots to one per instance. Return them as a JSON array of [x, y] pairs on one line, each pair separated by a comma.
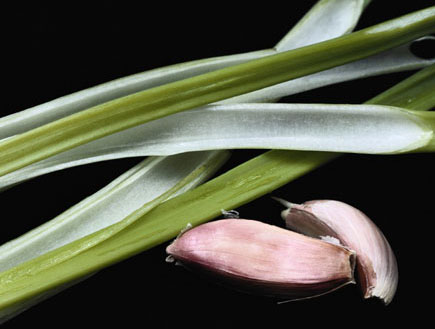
[[259, 258], [376, 263]]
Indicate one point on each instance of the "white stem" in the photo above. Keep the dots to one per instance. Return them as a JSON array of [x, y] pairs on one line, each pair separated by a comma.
[[371, 129], [139, 185]]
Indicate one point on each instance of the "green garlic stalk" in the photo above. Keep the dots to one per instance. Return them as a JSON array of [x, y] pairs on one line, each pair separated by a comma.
[[126, 112]]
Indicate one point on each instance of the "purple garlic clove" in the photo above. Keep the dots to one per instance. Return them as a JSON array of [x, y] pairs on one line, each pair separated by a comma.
[[259, 258], [329, 219]]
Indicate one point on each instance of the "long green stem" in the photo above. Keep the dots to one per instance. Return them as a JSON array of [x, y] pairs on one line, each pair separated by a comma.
[[157, 102], [238, 186], [136, 187], [186, 180]]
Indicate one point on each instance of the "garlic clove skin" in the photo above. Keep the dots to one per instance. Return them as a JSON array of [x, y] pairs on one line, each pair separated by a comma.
[[259, 258], [376, 263]]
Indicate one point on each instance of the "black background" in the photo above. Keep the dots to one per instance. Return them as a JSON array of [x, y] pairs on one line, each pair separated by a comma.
[[51, 51]]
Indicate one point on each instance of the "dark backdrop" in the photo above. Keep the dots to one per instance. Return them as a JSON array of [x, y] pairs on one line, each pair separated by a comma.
[[50, 51]]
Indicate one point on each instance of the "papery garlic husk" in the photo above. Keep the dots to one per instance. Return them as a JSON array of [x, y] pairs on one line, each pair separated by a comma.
[[330, 220], [259, 258]]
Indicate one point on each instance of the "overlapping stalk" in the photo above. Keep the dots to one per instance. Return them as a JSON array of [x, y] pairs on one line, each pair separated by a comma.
[[236, 187], [312, 28], [129, 111]]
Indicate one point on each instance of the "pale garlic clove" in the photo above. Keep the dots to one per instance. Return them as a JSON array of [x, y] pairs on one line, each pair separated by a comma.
[[259, 258], [376, 263]]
